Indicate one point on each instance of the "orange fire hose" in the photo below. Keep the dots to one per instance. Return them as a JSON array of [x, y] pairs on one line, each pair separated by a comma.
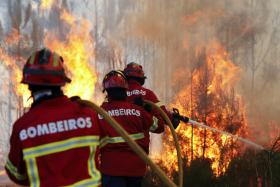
[[176, 141], [133, 145]]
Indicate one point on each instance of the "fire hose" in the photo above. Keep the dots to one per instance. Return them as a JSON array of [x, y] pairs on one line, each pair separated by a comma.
[[176, 141], [188, 120], [133, 145]]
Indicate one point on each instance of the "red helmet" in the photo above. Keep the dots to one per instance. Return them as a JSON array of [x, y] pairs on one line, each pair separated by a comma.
[[44, 67], [134, 70], [114, 79]]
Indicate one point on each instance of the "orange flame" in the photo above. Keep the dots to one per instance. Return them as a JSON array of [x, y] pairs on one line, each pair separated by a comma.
[[77, 53], [78, 56], [214, 102]]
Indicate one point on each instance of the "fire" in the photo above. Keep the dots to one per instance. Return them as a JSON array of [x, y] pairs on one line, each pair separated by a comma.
[[214, 102], [13, 64], [77, 53]]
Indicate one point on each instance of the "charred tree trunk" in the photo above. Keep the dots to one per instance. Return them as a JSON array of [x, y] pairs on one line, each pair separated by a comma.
[[191, 105], [205, 101], [204, 143]]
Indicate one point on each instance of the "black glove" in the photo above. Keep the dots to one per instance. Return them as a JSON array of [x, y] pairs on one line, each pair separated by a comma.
[[175, 119], [140, 102]]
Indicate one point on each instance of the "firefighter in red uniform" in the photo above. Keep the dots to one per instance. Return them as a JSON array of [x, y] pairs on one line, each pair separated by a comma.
[[54, 143], [137, 93], [120, 166]]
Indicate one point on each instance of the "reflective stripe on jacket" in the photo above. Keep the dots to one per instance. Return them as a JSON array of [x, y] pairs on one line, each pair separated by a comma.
[[117, 159], [54, 144]]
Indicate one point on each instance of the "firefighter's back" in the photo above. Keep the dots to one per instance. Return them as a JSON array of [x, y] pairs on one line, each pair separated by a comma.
[[117, 159], [59, 138]]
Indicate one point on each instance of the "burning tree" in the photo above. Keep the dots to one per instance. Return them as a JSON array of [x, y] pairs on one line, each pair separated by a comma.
[[209, 98]]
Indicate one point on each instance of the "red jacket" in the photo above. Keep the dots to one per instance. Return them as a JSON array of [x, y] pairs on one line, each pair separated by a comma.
[[117, 159], [135, 89], [54, 144]]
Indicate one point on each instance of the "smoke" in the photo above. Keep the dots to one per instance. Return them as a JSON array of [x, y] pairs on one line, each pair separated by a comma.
[[168, 38]]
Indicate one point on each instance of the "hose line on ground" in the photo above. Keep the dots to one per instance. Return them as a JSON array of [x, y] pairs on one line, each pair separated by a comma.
[[176, 141], [133, 145]]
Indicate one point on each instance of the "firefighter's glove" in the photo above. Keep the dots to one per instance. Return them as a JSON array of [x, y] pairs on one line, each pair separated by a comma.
[[175, 119]]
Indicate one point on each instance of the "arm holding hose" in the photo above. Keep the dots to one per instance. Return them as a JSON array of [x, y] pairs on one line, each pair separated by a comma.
[[134, 146], [174, 116]]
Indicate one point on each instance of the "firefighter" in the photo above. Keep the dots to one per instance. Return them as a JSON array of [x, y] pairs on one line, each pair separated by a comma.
[[120, 166], [137, 93], [54, 143]]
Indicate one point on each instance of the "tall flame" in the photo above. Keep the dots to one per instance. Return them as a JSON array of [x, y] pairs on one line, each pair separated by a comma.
[[209, 98], [77, 53]]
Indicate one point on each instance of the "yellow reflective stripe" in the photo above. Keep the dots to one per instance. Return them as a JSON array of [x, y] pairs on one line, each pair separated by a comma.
[[106, 140], [86, 182], [14, 171], [32, 171], [91, 164], [155, 124], [159, 103], [93, 172], [103, 141], [55, 59], [30, 155], [60, 146]]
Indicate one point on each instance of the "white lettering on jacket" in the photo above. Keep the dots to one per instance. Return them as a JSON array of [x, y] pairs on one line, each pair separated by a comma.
[[122, 112], [55, 127], [136, 92]]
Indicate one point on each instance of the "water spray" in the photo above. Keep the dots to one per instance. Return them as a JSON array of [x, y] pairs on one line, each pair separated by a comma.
[[199, 124]]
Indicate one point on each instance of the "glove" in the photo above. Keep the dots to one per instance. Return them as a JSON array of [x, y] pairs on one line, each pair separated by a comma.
[[140, 102], [175, 119]]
